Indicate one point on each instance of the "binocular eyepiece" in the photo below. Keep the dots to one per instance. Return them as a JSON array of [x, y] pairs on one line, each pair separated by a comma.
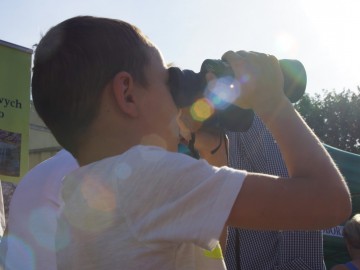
[[187, 87]]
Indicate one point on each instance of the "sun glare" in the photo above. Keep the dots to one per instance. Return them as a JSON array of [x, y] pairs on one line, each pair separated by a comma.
[[286, 43]]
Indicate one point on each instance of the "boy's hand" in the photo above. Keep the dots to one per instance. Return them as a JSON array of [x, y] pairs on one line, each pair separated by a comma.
[[260, 80]]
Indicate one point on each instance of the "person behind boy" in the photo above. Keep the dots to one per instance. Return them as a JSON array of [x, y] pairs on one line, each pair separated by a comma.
[[32, 216], [101, 87], [255, 150]]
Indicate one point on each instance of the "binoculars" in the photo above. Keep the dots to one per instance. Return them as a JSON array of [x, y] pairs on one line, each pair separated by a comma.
[[187, 87]]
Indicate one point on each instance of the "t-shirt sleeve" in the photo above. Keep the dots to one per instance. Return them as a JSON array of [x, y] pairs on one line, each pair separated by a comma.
[[174, 198]]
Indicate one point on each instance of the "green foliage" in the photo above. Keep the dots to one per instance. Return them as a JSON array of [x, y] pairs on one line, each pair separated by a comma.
[[334, 117]]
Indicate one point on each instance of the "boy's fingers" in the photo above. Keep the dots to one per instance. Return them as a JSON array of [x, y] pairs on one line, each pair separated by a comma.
[[237, 62], [231, 56]]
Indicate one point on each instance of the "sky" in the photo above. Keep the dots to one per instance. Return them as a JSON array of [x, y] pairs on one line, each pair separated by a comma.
[[322, 34]]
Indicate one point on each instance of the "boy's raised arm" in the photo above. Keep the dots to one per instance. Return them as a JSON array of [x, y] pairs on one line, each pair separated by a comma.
[[315, 196]]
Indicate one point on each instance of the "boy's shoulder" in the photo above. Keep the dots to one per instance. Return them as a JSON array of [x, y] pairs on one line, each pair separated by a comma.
[[138, 166], [136, 158]]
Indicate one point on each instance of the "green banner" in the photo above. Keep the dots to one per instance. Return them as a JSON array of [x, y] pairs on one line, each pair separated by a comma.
[[335, 250], [15, 72]]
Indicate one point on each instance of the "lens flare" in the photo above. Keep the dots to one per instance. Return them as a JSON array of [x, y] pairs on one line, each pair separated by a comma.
[[123, 171], [224, 91], [41, 231], [201, 110], [244, 78], [23, 252], [98, 196], [94, 210]]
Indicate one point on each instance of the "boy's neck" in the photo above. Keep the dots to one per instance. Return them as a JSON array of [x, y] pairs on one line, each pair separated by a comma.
[[96, 148]]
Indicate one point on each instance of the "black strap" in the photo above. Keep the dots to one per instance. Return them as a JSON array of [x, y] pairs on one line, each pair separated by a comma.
[[194, 152]]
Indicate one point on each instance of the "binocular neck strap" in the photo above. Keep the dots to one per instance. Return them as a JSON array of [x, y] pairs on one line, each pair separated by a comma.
[[195, 153]]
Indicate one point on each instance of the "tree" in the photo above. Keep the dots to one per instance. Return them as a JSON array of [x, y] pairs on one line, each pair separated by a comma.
[[334, 117]]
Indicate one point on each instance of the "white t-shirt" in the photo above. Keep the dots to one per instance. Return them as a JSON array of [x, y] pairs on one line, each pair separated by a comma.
[[32, 215], [145, 209]]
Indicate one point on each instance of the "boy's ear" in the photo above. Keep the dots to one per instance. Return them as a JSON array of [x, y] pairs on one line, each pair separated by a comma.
[[123, 90]]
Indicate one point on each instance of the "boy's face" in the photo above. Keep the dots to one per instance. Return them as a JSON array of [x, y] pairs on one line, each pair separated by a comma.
[[159, 110]]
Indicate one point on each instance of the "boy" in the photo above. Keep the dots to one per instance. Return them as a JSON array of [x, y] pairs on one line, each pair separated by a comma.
[[102, 88]]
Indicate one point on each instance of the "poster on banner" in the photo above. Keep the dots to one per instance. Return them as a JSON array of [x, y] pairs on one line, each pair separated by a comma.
[[15, 73]]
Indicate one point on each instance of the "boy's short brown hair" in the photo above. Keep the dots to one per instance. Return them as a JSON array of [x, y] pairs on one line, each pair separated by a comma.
[[73, 63]]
